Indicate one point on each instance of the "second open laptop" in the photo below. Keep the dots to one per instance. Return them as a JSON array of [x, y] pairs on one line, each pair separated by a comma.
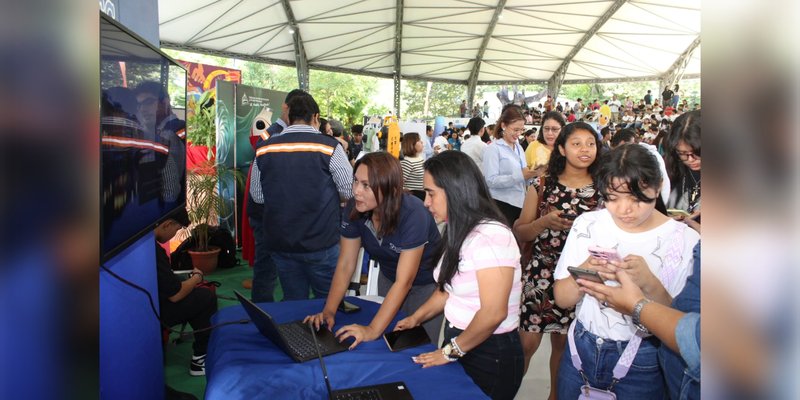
[[384, 391], [294, 338]]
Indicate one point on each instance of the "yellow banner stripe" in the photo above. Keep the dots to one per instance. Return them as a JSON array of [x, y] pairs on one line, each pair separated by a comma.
[[294, 148]]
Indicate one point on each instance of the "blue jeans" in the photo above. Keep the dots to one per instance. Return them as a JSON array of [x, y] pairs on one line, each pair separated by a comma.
[[300, 271], [496, 365], [599, 356], [265, 273]]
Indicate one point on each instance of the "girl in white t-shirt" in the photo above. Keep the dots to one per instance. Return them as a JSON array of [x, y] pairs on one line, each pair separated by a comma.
[[653, 248], [478, 277]]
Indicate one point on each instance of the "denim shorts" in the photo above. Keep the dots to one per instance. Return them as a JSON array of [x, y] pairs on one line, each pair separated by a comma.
[[599, 356]]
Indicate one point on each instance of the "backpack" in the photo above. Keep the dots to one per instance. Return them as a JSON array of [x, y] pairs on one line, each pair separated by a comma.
[[181, 260]]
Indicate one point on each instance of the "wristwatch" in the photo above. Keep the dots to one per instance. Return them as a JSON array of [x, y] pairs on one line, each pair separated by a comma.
[[451, 351], [637, 311]]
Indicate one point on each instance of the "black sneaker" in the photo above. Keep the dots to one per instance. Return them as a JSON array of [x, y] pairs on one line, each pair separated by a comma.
[[198, 366]]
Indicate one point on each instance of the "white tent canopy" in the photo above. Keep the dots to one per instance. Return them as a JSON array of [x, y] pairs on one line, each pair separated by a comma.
[[468, 42]]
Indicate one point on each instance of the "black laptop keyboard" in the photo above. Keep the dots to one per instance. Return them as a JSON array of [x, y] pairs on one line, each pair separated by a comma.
[[366, 394], [300, 340]]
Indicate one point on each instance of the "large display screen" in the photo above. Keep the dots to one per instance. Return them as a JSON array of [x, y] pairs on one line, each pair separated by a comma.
[[143, 136]]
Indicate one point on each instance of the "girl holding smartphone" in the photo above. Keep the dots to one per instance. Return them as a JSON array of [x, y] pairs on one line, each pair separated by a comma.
[[656, 252], [566, 191]]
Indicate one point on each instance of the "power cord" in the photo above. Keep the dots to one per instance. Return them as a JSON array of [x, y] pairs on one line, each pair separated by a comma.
[[158, 317]]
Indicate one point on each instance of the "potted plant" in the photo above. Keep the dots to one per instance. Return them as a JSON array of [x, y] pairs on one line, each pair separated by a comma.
[[204, 204]]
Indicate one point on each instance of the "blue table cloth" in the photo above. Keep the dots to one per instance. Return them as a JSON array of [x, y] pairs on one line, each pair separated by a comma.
[[243, 364]]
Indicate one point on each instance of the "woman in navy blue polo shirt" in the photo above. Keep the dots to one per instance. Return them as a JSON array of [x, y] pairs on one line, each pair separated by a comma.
[[399, 233]]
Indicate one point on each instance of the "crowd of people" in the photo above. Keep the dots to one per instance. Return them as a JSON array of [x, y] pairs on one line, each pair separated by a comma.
[[477, 231]]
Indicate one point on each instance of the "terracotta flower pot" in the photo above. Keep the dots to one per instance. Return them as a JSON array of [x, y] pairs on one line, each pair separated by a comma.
[[205, 261]]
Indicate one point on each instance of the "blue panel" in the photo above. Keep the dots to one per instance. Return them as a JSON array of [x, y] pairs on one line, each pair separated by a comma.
[[131, 361]]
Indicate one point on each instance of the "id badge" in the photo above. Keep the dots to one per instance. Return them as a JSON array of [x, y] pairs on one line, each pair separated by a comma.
[[590, 393]]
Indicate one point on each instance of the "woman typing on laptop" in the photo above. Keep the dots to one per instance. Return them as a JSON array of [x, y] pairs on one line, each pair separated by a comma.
[[399, 233], [478, 278]]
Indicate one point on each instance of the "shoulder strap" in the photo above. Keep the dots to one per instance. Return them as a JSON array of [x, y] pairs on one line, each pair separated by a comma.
[[623, 364]]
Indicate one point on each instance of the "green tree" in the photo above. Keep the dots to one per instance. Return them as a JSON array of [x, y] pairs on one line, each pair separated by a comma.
[[444, 99], [273, 77], [342, 96]]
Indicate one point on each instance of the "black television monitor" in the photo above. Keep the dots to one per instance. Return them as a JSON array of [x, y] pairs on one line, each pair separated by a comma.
[[143, 137]]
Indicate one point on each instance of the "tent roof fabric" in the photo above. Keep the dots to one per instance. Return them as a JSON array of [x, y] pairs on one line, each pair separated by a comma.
[[608, 40]]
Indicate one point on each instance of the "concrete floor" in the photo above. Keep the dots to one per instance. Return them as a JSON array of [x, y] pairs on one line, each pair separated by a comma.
[[536, 383]]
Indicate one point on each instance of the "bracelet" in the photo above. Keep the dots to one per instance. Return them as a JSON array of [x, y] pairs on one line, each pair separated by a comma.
[[636, 314], [456, 347]]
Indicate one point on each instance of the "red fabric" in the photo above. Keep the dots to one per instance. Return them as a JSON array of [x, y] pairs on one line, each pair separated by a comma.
[[248, 240], [196, 155]]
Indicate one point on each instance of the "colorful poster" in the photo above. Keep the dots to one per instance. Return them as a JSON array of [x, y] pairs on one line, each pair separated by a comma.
[[203, 77]]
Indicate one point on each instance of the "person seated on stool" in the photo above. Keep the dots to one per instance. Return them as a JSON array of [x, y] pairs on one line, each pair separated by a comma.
[[181, 301]]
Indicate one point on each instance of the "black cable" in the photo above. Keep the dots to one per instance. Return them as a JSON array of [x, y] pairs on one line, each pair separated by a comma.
[[158, 317]]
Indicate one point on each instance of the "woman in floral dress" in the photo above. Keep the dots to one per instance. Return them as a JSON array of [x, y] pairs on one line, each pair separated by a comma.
[[568, 191]]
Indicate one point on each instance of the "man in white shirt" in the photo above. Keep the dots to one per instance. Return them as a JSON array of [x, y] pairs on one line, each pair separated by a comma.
[[427, 142], [474, 146], [614, 104], [440, 143]]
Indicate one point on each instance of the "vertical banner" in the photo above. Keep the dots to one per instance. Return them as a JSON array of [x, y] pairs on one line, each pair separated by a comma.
[[253, 105], [256, 110], [226, 153]]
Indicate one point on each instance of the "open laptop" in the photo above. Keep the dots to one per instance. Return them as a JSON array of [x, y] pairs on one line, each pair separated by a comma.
[[293, 337], [384, 391]]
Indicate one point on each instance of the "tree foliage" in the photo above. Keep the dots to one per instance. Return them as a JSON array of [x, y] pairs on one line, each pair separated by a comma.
[[444, 99], [347, 97], [342, 96], [690, 89]]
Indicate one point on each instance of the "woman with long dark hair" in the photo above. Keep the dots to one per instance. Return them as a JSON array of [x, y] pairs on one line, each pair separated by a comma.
[[478, 279], [682, 156], [567, 190], [537, 155], [397, 231], [504, 164]]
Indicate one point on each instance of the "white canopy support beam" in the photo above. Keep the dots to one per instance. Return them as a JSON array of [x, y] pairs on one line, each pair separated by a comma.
[[557, 79], [299, 51], [675, 73], [472, 81], [398, 53]]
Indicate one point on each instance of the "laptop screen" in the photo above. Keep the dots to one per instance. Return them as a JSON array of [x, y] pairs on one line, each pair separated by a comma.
[[263, 321]]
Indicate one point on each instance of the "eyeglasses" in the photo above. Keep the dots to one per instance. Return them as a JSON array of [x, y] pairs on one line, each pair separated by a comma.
[[517, 131], [551, 129], [684, 155]]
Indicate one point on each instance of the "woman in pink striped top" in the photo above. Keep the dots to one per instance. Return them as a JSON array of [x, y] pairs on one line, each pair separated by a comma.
[[478, 278]]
